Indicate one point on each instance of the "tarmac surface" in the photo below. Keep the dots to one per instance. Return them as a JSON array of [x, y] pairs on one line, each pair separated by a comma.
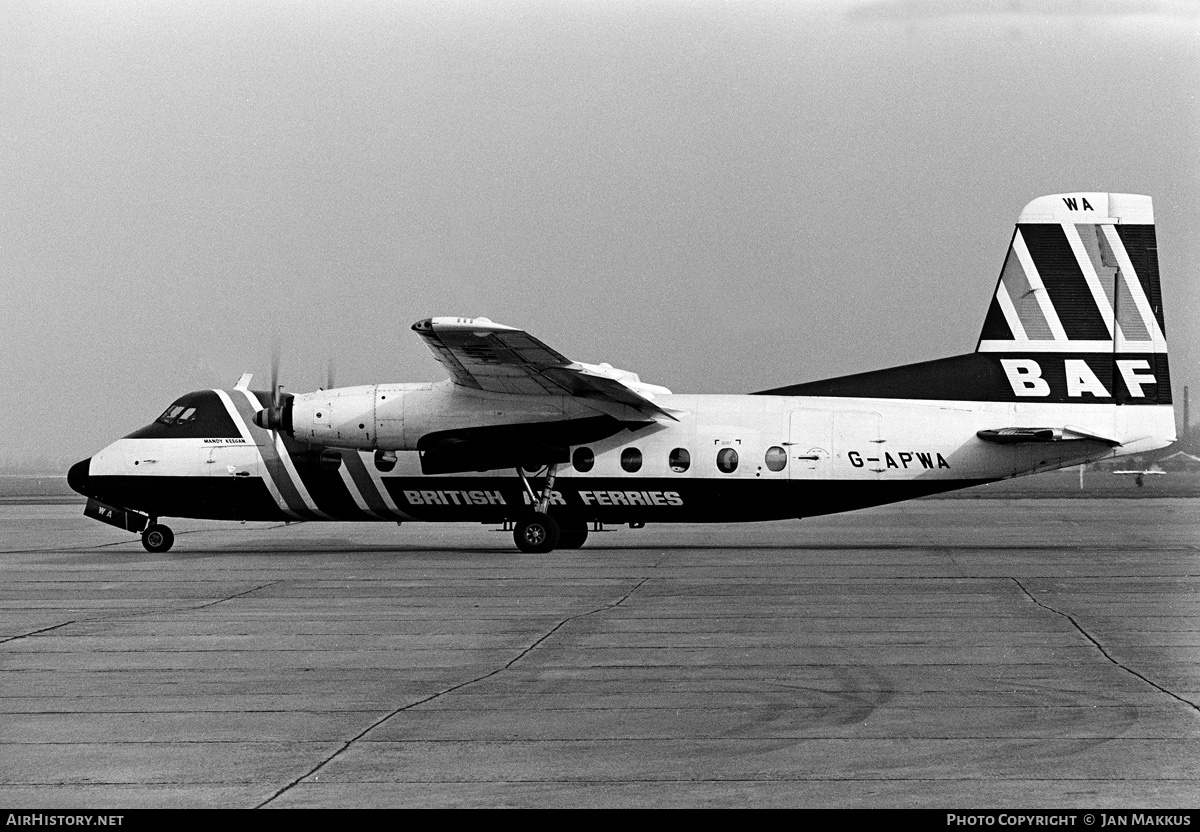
[[940, 653]]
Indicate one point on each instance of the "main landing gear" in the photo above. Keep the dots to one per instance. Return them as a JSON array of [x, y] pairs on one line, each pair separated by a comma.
[[538, 532], [157, 538], [573, 533]]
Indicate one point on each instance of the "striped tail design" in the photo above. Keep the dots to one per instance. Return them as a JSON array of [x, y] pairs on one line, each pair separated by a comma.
[[1077, 313]]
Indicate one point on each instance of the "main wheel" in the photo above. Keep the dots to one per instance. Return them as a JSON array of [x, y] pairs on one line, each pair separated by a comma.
[[536, 534], [157, 538], [573, 534]]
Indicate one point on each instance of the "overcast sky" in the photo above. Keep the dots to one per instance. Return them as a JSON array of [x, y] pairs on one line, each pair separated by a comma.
[[722, 197]]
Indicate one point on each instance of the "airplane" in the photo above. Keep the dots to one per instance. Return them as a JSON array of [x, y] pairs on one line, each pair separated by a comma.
[[1140, 474], [1070, 367]]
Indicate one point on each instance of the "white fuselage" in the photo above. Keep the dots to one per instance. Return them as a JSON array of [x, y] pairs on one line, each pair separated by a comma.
[[822, 438]]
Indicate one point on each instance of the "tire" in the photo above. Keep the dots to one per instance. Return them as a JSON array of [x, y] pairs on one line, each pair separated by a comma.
[[573, 534], [158, 538], [537, 534]]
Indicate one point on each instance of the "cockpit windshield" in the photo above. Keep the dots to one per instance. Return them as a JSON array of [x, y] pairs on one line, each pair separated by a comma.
[[199, 415], [176, 414]]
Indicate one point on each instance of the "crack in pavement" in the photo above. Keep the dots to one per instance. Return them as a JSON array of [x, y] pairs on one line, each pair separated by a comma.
[[139, 613], [231, 597], [346, 745], [35, 632], [1102, 649]]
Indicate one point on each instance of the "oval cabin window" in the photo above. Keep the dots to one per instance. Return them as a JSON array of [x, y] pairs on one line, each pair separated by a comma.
[[631, 460], [776, 458], [727, 460], [583, 459], [680, 460]]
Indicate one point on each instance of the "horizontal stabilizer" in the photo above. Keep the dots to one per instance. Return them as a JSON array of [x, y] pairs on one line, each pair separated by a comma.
[[1015, 436]]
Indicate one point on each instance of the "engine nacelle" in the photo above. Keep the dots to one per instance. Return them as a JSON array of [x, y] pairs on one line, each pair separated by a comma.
[[342, 417], [394, 417]]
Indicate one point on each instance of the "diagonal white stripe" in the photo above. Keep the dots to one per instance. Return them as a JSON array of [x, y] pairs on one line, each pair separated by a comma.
[[377, 478], [262, 464], [1039, 288], [286, 459], [352, 487], [1135, 288], [1089, 274], [1010, 313]]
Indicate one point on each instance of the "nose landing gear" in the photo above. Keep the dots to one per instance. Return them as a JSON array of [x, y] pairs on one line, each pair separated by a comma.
[[157, 538]]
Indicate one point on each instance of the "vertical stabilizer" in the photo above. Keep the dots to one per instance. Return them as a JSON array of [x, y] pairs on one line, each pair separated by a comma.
[[1077, 313]]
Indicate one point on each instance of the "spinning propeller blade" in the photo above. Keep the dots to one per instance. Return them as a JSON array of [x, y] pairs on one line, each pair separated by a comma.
[[277, 414]]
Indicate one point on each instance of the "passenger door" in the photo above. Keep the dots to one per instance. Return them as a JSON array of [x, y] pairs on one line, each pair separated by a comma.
[[809, 445], [857, 447]]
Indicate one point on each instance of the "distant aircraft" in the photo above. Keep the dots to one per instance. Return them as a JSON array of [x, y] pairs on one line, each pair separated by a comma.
[[1139, 475], [1071, 367]]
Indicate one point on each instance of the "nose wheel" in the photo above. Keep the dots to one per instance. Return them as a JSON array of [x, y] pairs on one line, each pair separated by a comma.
[[157, 538]]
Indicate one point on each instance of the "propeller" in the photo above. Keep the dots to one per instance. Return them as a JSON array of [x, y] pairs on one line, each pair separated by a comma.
[[278, 414]]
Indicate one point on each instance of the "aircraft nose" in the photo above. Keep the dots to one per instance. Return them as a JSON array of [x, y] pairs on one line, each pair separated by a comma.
[[77, 477]]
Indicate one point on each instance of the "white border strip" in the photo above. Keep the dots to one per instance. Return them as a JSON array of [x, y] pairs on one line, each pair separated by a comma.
[[1122, 346]]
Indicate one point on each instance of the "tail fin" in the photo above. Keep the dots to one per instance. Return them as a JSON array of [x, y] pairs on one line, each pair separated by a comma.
[[1076, 318], [1077, 313]]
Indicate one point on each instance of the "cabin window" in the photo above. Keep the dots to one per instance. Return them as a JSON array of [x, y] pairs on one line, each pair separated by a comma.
[[680, 460], [583, 459], [776, 458], [631, 460], [727, 460]]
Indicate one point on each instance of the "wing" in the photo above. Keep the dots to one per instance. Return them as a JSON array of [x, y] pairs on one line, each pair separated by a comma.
[[488, 356]]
